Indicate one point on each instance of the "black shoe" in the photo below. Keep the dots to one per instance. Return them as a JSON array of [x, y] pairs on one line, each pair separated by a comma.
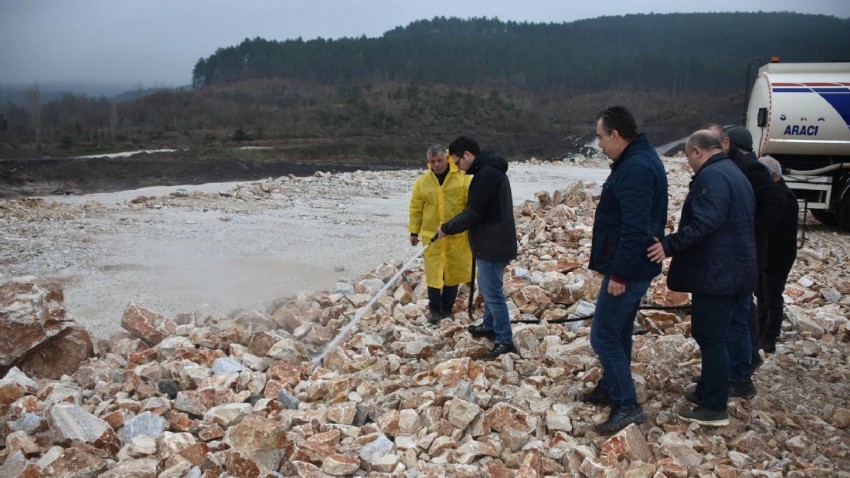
[[692, 397], [746, 389], [756, 361], [500, 349], [705, 417], [620, 418], [448, 315], [597, 396], [434, 318], [768, 345], [480, 331]]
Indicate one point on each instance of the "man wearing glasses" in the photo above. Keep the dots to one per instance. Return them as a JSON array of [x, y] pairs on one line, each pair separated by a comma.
[[439, 195], [489, 218]]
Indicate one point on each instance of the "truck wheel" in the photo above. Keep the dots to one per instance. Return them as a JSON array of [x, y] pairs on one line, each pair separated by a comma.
[[843, 214], [825, 217]]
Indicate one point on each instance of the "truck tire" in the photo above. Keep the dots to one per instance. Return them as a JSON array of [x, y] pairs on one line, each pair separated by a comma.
[[827, 218], [843, 214]]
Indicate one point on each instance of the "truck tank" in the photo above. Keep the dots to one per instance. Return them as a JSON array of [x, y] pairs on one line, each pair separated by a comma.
[[799, 113]]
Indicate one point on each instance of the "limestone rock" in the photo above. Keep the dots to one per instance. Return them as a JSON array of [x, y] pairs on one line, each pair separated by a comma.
[[146, 324], [72, 422], [30, 314]]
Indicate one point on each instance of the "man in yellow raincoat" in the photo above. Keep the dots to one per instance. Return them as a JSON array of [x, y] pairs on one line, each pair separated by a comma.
[[439, 195]]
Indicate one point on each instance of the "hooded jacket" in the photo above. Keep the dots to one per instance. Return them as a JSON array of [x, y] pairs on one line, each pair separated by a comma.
[[489, 213], [714, 249], [632, 210], [449, 261]]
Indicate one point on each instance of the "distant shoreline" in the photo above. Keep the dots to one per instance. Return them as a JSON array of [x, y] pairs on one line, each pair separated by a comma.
[[74, 176]]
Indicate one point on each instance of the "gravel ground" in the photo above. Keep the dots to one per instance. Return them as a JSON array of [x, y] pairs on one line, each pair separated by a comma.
[[183, 249]]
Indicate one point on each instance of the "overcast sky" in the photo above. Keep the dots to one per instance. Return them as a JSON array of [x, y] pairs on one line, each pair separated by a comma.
[[154, 43]]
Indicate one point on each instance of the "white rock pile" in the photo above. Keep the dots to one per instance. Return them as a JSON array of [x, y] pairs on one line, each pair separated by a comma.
[[241, 396]]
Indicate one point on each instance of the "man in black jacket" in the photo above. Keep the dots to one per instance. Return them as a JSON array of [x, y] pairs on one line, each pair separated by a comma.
[[743, 333], [489, 218], [781, 252]]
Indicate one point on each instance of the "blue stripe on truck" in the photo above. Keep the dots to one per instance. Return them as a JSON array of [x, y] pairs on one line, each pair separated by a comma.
[[838, 98]]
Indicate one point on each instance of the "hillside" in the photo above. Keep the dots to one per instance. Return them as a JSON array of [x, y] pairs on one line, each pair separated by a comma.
[[672, 53], [525, 90]]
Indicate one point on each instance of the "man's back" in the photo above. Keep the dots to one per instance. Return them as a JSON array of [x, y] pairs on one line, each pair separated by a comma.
[[494, 236], [714, 249]]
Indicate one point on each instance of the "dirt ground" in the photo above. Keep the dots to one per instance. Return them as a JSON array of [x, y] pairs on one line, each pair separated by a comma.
[[214, 248]]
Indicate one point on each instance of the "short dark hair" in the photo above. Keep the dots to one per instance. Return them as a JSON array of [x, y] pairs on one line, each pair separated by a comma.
[[620, 119], [717, 128], [462, 144]]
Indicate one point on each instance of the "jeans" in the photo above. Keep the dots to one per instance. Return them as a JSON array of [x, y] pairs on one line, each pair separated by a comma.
[[442, 301], [739, 343], [770, 303], [711, 316], [490, 281], [611, 338]]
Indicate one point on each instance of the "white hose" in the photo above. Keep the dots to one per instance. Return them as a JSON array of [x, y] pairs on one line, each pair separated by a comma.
[[359, 314], [818, 172]]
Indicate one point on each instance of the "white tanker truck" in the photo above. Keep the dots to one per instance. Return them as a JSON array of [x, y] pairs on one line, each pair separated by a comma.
[[799, 113]]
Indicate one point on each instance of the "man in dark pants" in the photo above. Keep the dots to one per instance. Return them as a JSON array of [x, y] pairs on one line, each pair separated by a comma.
[[631, 211], [781, 252], [714, 258], [770, 202], [489, 218]]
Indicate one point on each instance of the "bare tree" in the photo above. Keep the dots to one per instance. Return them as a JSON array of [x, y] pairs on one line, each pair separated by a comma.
[[113, 120], [34, 103]]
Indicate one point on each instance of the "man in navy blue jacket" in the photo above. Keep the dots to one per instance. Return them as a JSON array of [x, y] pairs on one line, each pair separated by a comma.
[[743, 337], [489, 218], [631, 211], [714, 258]]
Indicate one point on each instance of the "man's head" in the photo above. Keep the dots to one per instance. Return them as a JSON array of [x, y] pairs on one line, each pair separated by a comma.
[[464, 150], [736, 137], [700, 146], [720, 133], [615, 129], [438, 159], [773, 166], [741, 138]]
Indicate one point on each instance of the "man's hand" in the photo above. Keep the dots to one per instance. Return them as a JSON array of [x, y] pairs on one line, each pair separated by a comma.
[[440, 233], [615, 288], [655, 252], [414, 240]]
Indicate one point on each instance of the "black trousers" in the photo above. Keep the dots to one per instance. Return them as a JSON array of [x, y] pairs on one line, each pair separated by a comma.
[[770, 304], [442, 301]]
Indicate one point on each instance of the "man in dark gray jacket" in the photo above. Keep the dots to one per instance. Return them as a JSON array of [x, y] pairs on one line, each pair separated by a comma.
[[781, 252], [489, 218], [714, 258]]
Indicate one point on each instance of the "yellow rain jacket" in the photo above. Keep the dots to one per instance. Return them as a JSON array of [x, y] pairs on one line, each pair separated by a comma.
[[449, 260]]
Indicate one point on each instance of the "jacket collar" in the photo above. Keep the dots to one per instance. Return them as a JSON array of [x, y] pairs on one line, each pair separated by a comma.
[[639, 142], [717, 157]]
